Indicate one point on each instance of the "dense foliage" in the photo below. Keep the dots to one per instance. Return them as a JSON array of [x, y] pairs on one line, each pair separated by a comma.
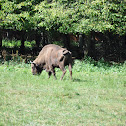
[[64, 16], [99, 25]]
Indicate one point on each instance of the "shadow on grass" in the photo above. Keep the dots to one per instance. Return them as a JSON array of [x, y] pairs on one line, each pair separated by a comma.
[[79, 80]]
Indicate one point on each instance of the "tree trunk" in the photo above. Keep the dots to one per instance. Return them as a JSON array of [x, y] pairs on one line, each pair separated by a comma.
[[81, 45], [66, 41], [91, 46], [44, 41], [37, 39], [22, 48], [0, 38]]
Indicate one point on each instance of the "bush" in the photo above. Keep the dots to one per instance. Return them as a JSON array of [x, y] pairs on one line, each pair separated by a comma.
[[90, 65]]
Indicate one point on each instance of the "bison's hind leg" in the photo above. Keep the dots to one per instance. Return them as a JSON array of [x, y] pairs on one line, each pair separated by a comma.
[[64, 71], [49, 74], [70, 70]]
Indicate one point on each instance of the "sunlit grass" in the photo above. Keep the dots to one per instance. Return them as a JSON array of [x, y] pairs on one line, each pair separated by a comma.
[[95, 96], [15, 43]]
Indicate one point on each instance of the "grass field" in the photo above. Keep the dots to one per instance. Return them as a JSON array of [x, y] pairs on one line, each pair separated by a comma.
[[95, 97]]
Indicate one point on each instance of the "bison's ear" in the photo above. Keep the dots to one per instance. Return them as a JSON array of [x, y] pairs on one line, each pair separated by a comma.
[[31, 62]]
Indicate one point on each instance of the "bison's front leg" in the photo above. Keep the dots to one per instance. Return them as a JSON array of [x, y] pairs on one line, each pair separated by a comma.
[[49, 74], [53, 72]]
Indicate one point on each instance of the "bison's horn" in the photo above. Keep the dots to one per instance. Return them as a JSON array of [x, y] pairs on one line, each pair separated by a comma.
[[31, 62], [36, 65]]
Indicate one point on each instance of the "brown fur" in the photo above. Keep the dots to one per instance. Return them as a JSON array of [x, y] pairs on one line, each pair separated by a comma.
[[52, 56]]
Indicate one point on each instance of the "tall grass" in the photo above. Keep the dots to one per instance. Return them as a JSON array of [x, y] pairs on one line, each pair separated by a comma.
[[95, 96]]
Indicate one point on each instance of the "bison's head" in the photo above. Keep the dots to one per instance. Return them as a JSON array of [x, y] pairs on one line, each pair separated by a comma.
[[36, 69]]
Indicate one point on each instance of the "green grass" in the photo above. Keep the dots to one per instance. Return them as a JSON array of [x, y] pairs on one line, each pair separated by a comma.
[[95, 96]]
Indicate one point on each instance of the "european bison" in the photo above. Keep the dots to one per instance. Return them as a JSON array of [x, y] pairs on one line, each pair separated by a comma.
[[50, 57]]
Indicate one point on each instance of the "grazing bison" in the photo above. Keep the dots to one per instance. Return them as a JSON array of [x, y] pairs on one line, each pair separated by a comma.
[[50, 57]]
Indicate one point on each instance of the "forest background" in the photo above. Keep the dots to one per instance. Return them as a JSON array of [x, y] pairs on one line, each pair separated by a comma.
[[92, 30], [95, 28]]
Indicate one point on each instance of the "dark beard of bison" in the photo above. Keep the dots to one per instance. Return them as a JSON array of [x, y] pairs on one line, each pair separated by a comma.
[[39, 70]]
